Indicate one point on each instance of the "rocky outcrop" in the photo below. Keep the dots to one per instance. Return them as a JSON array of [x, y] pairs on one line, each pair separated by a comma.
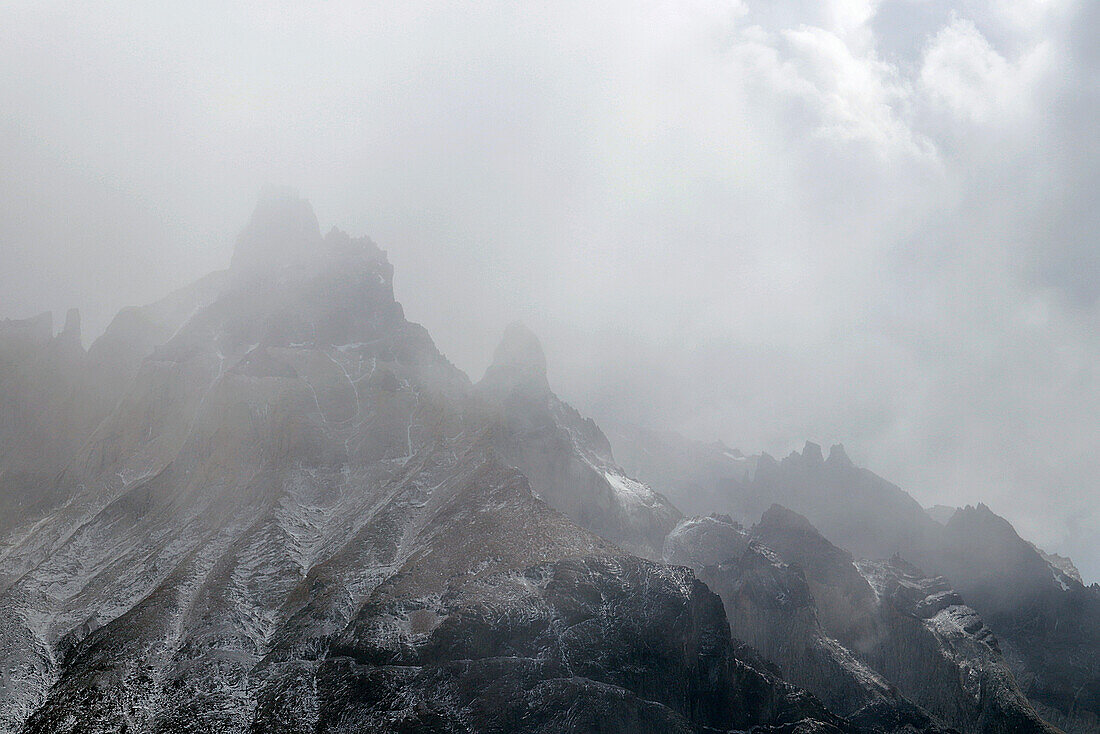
[[952, 662], [589, 644], [915, 631], [566, 456], [770, 605], [1061, 564], [880, 643], [1047, 622]]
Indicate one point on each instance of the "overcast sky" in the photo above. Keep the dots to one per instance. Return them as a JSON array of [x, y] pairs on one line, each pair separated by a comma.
[[868, 221]]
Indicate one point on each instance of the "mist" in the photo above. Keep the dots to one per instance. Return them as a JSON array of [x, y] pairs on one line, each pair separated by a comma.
[[872, 223]]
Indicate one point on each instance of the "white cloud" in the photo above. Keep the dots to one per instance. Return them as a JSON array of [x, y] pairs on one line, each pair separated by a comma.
[[962, 71]]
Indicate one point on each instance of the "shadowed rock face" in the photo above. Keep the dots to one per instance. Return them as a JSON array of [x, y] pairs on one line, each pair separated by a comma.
[[1046, 621], [769, 604], [879, 642], [1048, 624], [542, 649], [296, 517], [915, 631]]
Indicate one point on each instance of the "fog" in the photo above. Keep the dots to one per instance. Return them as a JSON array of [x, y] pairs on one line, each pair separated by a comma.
[[871, 222]]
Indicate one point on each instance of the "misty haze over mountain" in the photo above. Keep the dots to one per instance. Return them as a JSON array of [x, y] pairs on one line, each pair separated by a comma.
[[267, 502], [868, 222]]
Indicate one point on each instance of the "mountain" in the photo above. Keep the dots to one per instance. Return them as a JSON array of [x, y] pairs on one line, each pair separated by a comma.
[[289, 512], [915, 630], [769, 605], [54, 394], [566, 457], [1046, 621], [864, 637], [268, 503]]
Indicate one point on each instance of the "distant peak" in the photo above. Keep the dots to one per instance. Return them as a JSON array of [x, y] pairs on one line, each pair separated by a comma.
[[72, 325], [777, 516], [37, 329], [812, 452], [838, 455], [520, 349], [519, 366], [941, 513], [980, 518], [282, 232]]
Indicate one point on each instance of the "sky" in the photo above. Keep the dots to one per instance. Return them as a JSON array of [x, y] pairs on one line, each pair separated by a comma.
[[868, 222]]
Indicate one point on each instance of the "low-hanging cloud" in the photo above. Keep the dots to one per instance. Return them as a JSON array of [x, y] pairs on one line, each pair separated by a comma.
[[870, 221]]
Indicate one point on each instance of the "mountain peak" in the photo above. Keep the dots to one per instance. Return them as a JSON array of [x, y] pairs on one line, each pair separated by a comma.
[[520, 349], [838, 455], [283, 232], [778, 516], [35, 330], [71, 331], [941, 513]]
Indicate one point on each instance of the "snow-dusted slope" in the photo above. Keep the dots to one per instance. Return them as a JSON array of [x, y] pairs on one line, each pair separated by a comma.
[[1047, 621], [770, 605], [915, 631]]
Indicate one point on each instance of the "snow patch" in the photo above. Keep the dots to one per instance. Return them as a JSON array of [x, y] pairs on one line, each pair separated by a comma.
[[630, 490]]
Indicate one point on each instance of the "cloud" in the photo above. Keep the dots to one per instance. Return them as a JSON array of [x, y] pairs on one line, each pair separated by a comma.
[[963, 73]]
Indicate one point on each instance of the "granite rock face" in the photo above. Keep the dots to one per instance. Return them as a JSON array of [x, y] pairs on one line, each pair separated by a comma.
[[916, 631], [1046, 621], [876, 641], [770, 605]]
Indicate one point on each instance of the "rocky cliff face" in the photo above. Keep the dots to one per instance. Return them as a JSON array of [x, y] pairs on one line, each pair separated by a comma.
[[1048, 622], [770, 606], [1045, 619], [248, 448], [864, 637], [916, 631], [566, 456]]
